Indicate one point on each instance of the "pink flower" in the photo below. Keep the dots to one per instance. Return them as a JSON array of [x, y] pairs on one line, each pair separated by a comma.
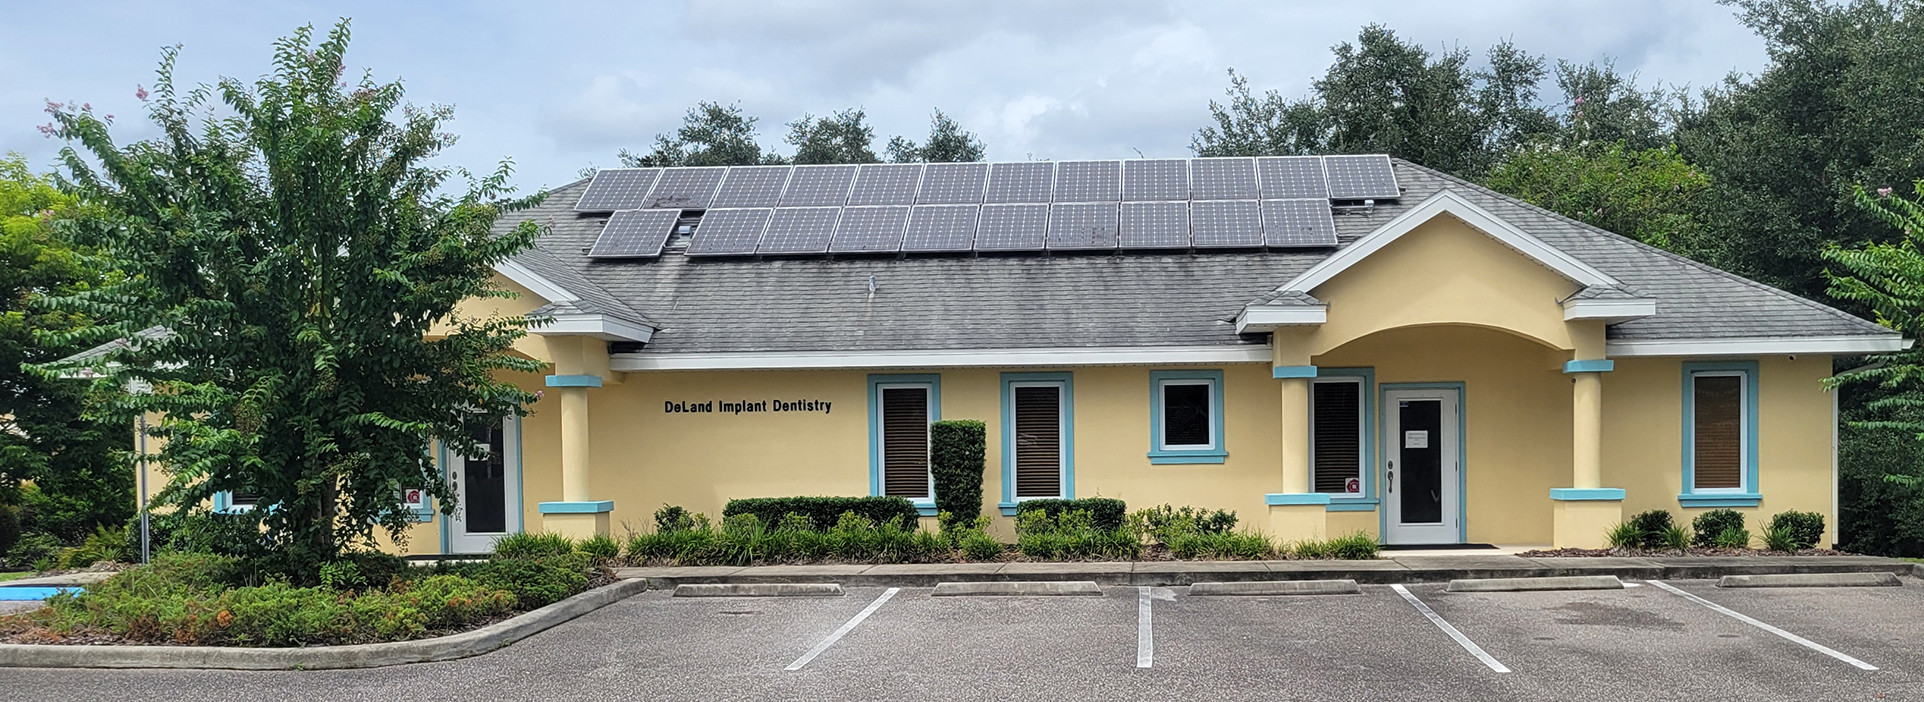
[[88, 106], [1579, 101], [1883, 192], [140, 92]]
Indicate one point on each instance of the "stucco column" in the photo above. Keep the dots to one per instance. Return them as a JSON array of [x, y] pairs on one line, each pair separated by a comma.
[[579, 365], [1583, 512], [1296, 513], [1587, 430], [574, 444], [1295, 434]]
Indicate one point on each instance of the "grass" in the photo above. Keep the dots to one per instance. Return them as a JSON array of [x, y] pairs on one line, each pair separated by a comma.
[[15, 576]]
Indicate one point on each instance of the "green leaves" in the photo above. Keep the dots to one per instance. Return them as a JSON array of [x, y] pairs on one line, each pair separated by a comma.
[[1652, 195]]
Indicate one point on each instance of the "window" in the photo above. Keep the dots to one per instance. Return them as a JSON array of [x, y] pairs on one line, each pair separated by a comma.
[[1186, 417], [901, 408], [1336, 443], [236, 501], [1720, 434], [1038, 444]]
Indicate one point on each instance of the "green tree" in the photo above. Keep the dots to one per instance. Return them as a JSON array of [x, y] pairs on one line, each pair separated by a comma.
[[947, 143], [711, 134], [1606, 107], [843, 137], [78, 480], [1650, 194], [308, 265]]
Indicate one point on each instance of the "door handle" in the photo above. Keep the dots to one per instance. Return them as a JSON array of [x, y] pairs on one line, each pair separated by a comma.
[[1389, 478]]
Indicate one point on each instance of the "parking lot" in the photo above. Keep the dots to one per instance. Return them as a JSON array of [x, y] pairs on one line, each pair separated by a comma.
[[1643, 642]]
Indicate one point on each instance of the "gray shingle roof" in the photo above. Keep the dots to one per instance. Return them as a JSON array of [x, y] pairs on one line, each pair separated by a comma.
[[1088, 301]]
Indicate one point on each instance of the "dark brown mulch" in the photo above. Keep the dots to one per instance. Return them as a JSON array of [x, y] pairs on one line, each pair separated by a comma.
[[1646, 553]]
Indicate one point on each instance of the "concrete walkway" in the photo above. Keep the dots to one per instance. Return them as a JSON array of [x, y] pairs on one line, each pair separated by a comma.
[[1398, 568]]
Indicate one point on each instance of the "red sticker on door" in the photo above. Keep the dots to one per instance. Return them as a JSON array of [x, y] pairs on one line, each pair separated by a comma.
[[1353, 485]]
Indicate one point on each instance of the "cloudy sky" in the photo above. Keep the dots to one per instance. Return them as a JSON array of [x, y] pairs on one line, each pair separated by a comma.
[[562, 85]]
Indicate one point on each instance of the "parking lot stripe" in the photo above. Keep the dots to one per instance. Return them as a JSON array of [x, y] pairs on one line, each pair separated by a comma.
[[839, 633], [1461, 640], [1145, 633], [1793, 638]]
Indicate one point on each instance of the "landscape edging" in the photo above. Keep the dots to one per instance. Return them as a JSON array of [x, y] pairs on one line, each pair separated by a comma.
[[440, 648]]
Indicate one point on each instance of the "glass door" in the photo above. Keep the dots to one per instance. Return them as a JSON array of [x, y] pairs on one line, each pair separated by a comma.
[[488, 489], [1421, 473]]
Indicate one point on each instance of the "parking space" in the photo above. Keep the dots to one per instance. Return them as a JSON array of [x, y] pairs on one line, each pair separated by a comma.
[[1639, 643]]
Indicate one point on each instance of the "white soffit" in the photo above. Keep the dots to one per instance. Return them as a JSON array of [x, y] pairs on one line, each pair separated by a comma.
[[596, 325], [1262, 318], [943, 358], [1612, 311], [1840, 345]]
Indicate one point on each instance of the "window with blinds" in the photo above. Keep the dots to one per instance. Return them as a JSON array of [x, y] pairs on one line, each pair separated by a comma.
[[1038, 440], [1186, 407], [1336, 435], [905, 442], [1717, 431]]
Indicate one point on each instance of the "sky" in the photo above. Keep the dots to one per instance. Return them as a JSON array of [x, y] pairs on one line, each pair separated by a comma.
[[560, 86]]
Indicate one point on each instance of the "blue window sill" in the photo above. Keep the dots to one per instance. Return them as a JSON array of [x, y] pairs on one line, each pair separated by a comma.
[[1352, 504], [926, 509], [1296, 498], [1727, 499], [1170, 458], [425, 514]]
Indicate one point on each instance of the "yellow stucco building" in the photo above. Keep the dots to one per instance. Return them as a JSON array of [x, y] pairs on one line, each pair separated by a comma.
[[1325, 345]]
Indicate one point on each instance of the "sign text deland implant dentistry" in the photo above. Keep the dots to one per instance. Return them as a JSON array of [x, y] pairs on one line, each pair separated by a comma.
[[744, 406]]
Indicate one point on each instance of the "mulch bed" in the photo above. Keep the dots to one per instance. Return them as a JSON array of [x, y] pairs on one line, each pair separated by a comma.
[[1672, 553]]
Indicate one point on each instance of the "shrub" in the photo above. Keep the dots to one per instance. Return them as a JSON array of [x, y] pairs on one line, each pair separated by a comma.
[[105, 544], [1106, 514], [1732, 537], [1072, 535], [1710, 526], [825, 512], [674, 518], [1165, 521], [342, 575], [957, 450], [533, 583], [980, 546], [1357, 546], [1625, 535], [1243, 546], [9, 527], [33, 551], [183, 531], [533, 545], [600, 548], [1676, 537], [1797, 530]]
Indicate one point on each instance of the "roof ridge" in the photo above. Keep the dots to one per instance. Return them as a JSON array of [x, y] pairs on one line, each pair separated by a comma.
[[1652, 249]]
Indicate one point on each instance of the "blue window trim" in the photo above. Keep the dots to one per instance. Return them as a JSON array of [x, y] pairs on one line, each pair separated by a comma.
[[223, 504], [1749, 495], [1217, 450], [1462, 453], [925, 506], [1368, 499], [1008, 503]]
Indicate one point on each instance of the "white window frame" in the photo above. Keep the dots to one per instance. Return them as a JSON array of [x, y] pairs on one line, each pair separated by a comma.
[[1062, 438], [1209, 404], [928, 443], [1362, 435], [1744, 421]]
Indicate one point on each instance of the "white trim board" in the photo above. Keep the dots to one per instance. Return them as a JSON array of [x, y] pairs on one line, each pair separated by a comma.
[[941, 358], [1450, 203], [596, 325], [1757, 346], [547, 289], [1261, 318], [1612, 311]]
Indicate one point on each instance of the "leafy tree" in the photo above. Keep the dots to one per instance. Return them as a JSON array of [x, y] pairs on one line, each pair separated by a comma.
[[307, 264], [78, 480], [1607, 107], [843, 137], [711, 134], [1650, 194], [947, 143]]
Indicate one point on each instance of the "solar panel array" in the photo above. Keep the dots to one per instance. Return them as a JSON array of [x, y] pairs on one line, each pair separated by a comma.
[[1203, 203]]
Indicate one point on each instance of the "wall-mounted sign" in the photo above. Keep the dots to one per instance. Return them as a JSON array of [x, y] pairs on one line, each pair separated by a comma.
[[744, 406], [1417, 439], [1353, 485], [414, 498]]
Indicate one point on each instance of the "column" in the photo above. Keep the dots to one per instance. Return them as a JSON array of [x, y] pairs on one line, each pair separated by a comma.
[[1584, 511], [1296, 513], [578, 514]]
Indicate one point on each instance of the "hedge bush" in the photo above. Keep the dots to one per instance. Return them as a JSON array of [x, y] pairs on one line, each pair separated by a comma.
[[1710, 527], [1794, 531], [1074, 535], [9, 527], [957, 454], [745, 539], [825, 512], [1106, 514]]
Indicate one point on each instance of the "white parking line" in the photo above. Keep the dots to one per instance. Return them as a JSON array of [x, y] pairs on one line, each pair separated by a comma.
[[1461, 640], [839, 633], [1793, 638], [1145, 634]]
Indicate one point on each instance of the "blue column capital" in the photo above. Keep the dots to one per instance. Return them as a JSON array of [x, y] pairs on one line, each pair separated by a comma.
[[574, 381], [1596, 365], [1293, 372]]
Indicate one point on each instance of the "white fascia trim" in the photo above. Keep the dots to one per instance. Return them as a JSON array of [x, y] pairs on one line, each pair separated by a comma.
[[1266, 318], [595, 325], [547, 289], [1448, 202], [945, 358], [1608, 310], [1757, 347]]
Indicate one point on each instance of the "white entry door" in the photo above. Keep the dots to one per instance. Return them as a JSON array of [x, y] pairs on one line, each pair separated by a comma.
[[489, 488], [1422, 471]]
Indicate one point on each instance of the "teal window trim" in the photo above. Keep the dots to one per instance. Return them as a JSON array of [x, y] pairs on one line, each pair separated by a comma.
[[441, 464], [877, 381], [1009, 381], [1747, 495], [1296, 498], [1462, 452], [1367, 471], [1353, 504], [1216, 451], [224, 504]]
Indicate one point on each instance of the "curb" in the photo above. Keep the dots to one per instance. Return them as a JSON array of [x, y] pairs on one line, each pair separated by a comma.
[[760, 590], [1275, 587], [1577, 582], [442, 648], [1812, 580], [1080, 588]]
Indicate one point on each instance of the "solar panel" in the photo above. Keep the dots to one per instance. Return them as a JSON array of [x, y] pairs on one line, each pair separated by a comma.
[[1160, 179], [752, 186], [1026, 181], [799, 230], [1222, 179], [1221, 224], [1088, 181], [1289, 223], [1361, 177], [941, 228], [819, 185], [1083, 225], [1292, 176], [686, 188], [729, 232], [617, 189], [1155, 225], [1012, 227], [953, 183], [635, 234], [870, 229], [885, 184]]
